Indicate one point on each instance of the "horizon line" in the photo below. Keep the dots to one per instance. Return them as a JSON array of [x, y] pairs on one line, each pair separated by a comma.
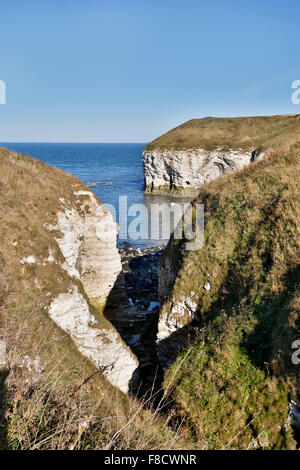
[[63, 142]]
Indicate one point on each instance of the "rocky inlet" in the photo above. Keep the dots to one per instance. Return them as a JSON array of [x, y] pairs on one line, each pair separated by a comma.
[[133, 307]]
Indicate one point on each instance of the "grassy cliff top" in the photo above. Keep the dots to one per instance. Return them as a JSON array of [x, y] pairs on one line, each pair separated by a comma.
[[235, 133], [239, 369]]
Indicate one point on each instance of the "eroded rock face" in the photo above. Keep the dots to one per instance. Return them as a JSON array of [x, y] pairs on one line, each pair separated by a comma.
[[87, 239], [185, 171], [174, 333], [168, 323], [176, 314], [86, 234], [103, 346]]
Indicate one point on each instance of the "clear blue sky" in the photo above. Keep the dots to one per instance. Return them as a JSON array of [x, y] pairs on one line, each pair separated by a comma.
[[129, 70]]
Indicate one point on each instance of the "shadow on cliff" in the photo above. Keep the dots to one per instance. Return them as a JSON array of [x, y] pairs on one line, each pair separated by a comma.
[[130, 324], [258, 344], [274, 330]]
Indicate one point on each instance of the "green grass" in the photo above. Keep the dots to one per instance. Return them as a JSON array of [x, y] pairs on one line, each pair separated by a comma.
[[228, 402], [210, 133], [239, 371]]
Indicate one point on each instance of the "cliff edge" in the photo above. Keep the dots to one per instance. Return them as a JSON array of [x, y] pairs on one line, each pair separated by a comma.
[[181, 161], [59, 243]]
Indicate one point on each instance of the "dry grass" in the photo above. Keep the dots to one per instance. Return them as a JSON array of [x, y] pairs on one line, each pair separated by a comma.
[[260, 132]]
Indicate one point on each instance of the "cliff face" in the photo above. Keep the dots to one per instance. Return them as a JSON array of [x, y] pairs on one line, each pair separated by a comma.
[[230, 311], [86, 235], [201, 150], [59, 244], [87, 239], [102, 344], [185, 171]]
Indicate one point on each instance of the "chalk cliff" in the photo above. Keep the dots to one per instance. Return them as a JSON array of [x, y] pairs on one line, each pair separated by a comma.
[[87, 238], [86, 235], [181, 161], [59, 243], [186, 171]]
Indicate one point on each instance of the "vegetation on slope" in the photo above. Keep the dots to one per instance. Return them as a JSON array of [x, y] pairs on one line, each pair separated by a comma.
[[261, 132], [234, 383], [49, 397]]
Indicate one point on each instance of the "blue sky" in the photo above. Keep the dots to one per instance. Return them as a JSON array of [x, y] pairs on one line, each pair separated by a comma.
[[129, 70]]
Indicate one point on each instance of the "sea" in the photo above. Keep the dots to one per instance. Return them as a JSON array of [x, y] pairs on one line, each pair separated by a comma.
[[114, 172]]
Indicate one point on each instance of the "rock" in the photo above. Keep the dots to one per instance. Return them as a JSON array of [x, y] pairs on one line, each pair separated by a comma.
[[174, 315], [3, 359], [103, 346], [186, 171], [87, 240], [29, 260], [88, 243], [33, 365], [207, 286], [167, 324]]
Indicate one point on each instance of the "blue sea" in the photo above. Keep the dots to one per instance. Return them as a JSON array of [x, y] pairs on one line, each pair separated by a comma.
[[111, 171]]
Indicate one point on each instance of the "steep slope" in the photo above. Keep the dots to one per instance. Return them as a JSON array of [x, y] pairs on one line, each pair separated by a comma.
[[232, 309], [200, 150], [52, 229], [58, 262]]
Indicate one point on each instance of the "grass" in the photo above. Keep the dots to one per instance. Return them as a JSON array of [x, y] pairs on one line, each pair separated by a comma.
[[236, 383], [63, 406], [262, 132]]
